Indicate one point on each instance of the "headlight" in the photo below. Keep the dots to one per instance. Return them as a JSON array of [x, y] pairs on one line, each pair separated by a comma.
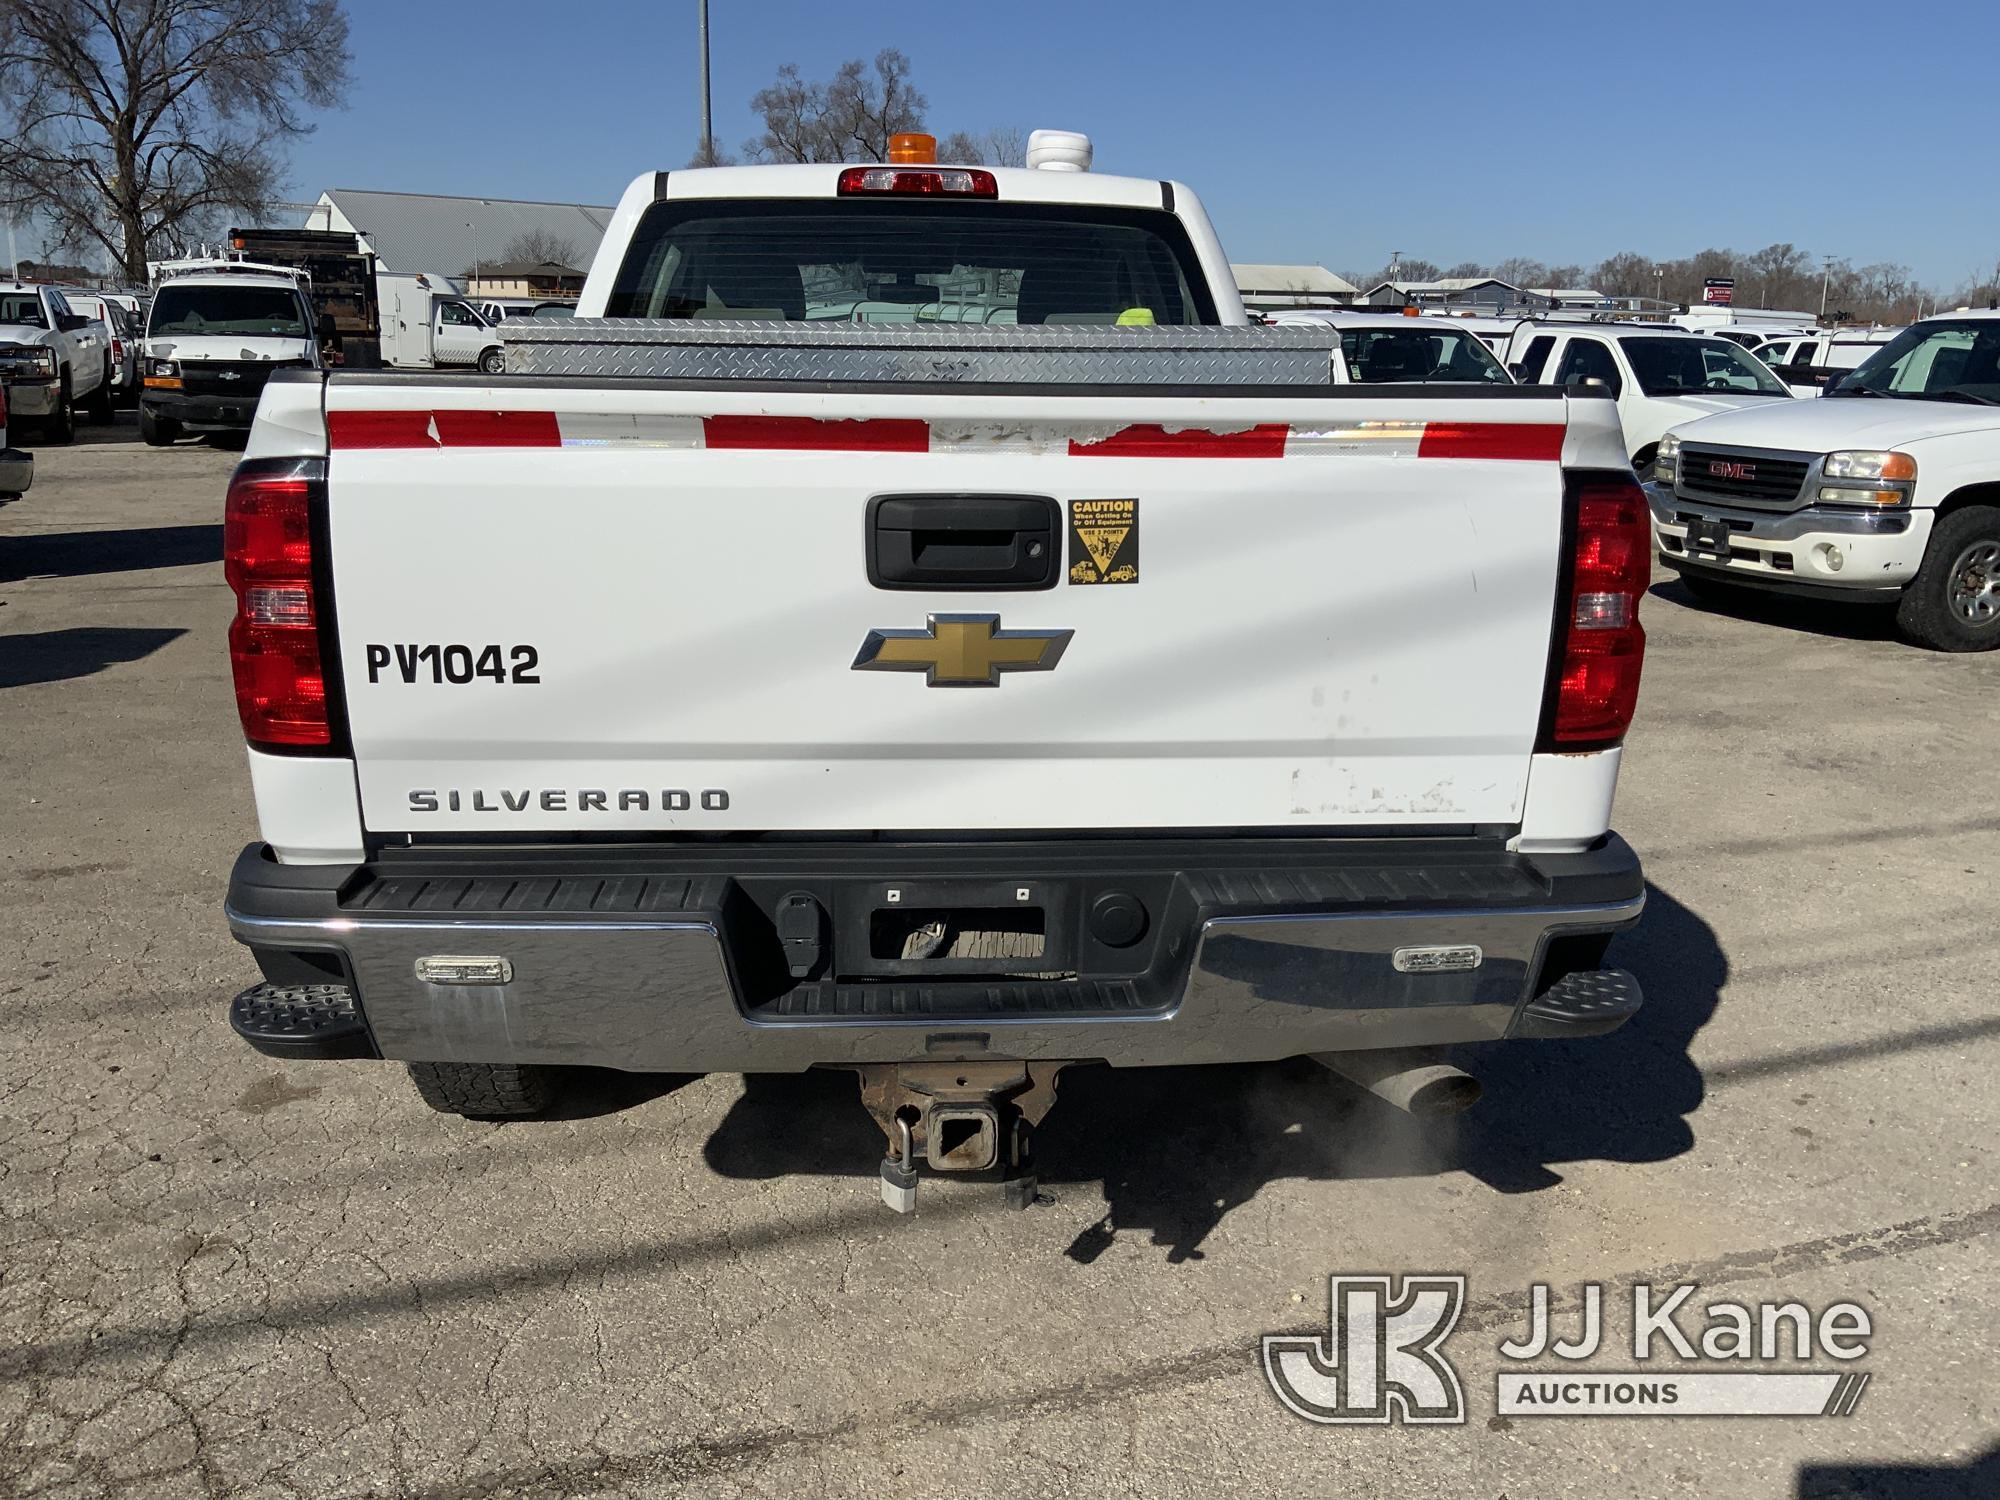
[[163, 367], [1886, 478], [43, 360], [1667, 459], [1869, 464]]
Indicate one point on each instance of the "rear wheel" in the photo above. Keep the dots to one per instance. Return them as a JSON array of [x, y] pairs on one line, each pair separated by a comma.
[[99, 404], [483, 1091], [1953, 604], [59, 427], [157, 432], [493, 362]]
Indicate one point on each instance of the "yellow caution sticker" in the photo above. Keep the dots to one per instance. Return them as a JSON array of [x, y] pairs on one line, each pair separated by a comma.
[[1104, 541]]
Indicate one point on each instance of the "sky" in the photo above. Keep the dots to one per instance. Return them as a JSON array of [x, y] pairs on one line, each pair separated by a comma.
[[1323, 132]]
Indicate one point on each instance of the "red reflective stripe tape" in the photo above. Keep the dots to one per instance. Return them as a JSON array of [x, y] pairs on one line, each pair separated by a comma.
[[874, 435], [1266, 440], [379, 429], [443, 429], [1540, 442], [497, 429]]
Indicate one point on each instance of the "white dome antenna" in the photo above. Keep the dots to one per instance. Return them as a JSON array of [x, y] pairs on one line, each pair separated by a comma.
[[1059, 150]]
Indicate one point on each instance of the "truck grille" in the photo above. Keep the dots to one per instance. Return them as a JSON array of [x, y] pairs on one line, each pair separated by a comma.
[[242, 378], [1759, 478]]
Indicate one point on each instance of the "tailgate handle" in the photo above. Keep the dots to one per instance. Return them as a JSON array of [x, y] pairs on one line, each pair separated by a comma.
[[963, 541]]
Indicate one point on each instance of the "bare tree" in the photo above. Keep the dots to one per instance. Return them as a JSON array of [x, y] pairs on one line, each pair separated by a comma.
[[125, 124], [542, 247], [711, 154], [1002, 147], [1410, 270], [849, 118]]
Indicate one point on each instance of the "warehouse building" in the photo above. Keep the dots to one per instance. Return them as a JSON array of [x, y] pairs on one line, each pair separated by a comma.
[[1274, 288]]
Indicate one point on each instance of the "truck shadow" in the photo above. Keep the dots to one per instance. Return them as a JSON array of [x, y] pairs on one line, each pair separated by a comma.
[[59, 655], [75, 554], [1977, 1479], [1176, 1150], [1844, 622]]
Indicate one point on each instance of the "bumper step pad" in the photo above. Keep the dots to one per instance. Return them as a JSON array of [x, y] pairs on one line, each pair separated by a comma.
[[301, 1020], [1589, 1002]]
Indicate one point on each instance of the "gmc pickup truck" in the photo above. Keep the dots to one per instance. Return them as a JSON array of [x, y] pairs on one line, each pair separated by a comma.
[[910, 622], [1885, 491]]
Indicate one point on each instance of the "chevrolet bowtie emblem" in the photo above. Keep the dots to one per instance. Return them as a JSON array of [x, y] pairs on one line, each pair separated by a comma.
[[962, 651]]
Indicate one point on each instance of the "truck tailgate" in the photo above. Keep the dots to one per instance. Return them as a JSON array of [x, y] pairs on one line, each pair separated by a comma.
[[567, 607]]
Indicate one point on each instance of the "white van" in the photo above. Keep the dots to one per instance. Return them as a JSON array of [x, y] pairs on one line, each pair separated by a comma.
[[1661, 376], [214, 334], [427, 325]]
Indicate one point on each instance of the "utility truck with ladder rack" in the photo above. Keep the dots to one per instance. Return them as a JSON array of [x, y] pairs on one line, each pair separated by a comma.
[[911, 622]]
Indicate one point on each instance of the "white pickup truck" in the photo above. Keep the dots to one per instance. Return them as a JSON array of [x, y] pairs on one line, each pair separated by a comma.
[[757, 677], [53, 360], [1886, 490]]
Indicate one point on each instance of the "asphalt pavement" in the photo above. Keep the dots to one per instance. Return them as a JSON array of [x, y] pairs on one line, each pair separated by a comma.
[[223, 1275]]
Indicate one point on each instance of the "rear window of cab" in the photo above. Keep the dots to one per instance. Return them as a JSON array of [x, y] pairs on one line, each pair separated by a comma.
[[873, 261]]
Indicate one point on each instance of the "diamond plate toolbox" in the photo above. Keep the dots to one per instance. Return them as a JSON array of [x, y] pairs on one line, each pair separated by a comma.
[[652, 349]]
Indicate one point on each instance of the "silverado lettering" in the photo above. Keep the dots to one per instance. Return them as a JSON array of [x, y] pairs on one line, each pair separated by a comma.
[[624, 799]]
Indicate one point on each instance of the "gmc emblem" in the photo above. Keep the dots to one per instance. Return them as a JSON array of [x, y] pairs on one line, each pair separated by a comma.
[[1719, 470]]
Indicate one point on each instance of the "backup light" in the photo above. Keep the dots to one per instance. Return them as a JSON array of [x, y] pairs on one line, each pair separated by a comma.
[[920, 182]]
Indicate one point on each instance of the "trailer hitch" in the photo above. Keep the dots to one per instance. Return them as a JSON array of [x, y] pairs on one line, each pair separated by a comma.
[[959, 1117]]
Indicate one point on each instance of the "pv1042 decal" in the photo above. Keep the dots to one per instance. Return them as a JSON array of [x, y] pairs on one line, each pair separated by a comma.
[[453, 663]]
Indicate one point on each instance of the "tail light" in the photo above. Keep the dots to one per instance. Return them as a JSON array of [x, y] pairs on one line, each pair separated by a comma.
[[118, 350], [1599, 646], [922, 182], [274, 640]]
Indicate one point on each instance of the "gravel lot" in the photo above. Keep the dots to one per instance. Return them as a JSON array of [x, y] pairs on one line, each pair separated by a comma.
[[225, 1275]]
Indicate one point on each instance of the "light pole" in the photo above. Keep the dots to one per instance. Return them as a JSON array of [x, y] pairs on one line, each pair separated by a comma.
[[1825, 283], [707, 117]]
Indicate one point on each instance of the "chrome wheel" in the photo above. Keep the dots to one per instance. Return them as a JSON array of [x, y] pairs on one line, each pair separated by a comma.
[[1975, 583]]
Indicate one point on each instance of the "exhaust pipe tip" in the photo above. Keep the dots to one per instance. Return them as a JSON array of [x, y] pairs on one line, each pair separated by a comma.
[[1439, 1098], [1416, 1080]]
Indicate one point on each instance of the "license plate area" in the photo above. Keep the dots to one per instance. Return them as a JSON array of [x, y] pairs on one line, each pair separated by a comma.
[[954, 929], [1708, 535]]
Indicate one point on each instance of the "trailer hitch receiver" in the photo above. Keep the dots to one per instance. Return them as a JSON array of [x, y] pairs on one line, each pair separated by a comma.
[[961, 1117]]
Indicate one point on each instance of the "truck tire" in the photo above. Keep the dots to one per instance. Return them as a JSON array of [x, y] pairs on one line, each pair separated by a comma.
[[493, 362], [1953, 604], [483, 1091], [59, 428], [157, 432], [99, 404]]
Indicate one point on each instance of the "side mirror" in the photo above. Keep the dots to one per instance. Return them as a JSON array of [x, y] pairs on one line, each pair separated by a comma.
[[1518, 370]]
